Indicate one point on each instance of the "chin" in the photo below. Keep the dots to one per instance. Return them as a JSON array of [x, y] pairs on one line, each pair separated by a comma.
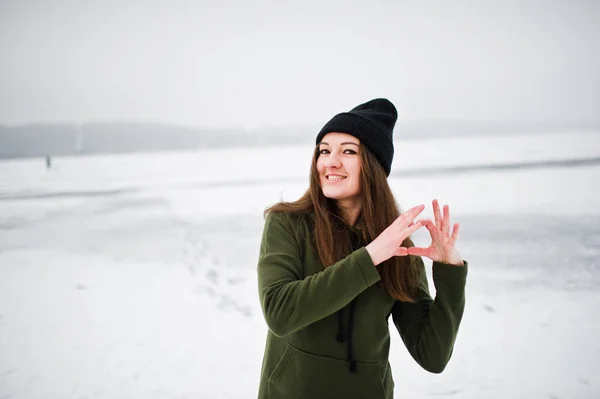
[[329, 195], [335, 195], [331, 192]]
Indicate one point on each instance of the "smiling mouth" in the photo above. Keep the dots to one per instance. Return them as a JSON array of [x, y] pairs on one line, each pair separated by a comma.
[[335, 178]]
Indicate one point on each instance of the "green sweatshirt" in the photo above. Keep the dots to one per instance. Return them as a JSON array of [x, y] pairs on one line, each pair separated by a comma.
[[328, 331]]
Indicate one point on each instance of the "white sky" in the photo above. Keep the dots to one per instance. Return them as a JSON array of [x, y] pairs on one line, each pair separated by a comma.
[[270, 63]]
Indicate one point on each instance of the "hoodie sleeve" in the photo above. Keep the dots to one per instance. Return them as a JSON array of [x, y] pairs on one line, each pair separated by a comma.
[[291, 301], [429, 327]]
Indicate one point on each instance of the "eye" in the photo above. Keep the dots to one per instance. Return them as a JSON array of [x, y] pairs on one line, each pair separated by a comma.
[[323, 151], [349, 151]]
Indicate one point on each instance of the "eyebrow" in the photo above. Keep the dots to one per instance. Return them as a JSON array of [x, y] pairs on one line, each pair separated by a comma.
[[345, 142]]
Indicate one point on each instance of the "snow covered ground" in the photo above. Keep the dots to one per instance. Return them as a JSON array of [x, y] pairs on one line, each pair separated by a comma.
[[133, 276]]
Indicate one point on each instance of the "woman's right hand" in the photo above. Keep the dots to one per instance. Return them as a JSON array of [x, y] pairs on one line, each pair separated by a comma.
[[389, 242]]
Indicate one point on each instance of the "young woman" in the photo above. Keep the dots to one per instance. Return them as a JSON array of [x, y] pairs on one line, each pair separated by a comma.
[[337, 263]]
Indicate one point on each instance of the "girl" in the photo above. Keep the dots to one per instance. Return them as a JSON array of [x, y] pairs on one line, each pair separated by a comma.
[[337, 263]]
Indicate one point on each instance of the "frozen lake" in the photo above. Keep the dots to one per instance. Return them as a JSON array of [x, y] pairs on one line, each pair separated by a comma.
[[129, 276]]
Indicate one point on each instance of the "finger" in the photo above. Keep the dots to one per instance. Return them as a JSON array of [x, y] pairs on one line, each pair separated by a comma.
[[401, 251], [418, 251], [409, 215], [414, 211], [454, 235], [428, 223], [407, 232], [436, 214], [446, 221]]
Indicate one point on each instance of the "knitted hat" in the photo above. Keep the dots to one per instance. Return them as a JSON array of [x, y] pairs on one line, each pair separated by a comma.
[[373, 124]]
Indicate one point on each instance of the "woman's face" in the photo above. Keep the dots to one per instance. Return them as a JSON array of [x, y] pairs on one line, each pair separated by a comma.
[[339, 166]]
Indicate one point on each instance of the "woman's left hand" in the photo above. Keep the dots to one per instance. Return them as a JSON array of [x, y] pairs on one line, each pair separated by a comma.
[[442, 248]]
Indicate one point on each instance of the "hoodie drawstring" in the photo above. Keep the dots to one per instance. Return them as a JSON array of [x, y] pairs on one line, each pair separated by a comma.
[[350, 325], [355, 241], [340, 335]]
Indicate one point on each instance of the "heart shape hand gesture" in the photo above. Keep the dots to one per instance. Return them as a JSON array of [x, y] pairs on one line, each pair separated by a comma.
[[442, 248]]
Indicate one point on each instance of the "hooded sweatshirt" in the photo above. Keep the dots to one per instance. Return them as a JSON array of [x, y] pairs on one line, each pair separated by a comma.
[[328, 328]]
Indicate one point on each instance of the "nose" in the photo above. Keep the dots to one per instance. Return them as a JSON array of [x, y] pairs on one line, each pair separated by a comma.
[[333, 161]]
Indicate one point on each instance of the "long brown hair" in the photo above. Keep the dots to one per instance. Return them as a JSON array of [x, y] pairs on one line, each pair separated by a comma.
[[399, 274]]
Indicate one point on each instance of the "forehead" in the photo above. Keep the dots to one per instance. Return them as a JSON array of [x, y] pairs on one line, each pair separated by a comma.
[[337, 138]]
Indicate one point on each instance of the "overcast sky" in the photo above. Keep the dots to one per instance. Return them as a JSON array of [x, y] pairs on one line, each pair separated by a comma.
[[270, 63]]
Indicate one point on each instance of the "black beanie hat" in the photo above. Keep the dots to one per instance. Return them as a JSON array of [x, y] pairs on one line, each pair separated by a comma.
[[373, 124]]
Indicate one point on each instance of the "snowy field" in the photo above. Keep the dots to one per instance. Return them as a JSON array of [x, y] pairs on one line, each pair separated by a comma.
[[133, 276]]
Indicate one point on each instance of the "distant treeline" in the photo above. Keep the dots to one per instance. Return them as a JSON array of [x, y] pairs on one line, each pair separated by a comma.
[[34, 140], [38, 140]]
